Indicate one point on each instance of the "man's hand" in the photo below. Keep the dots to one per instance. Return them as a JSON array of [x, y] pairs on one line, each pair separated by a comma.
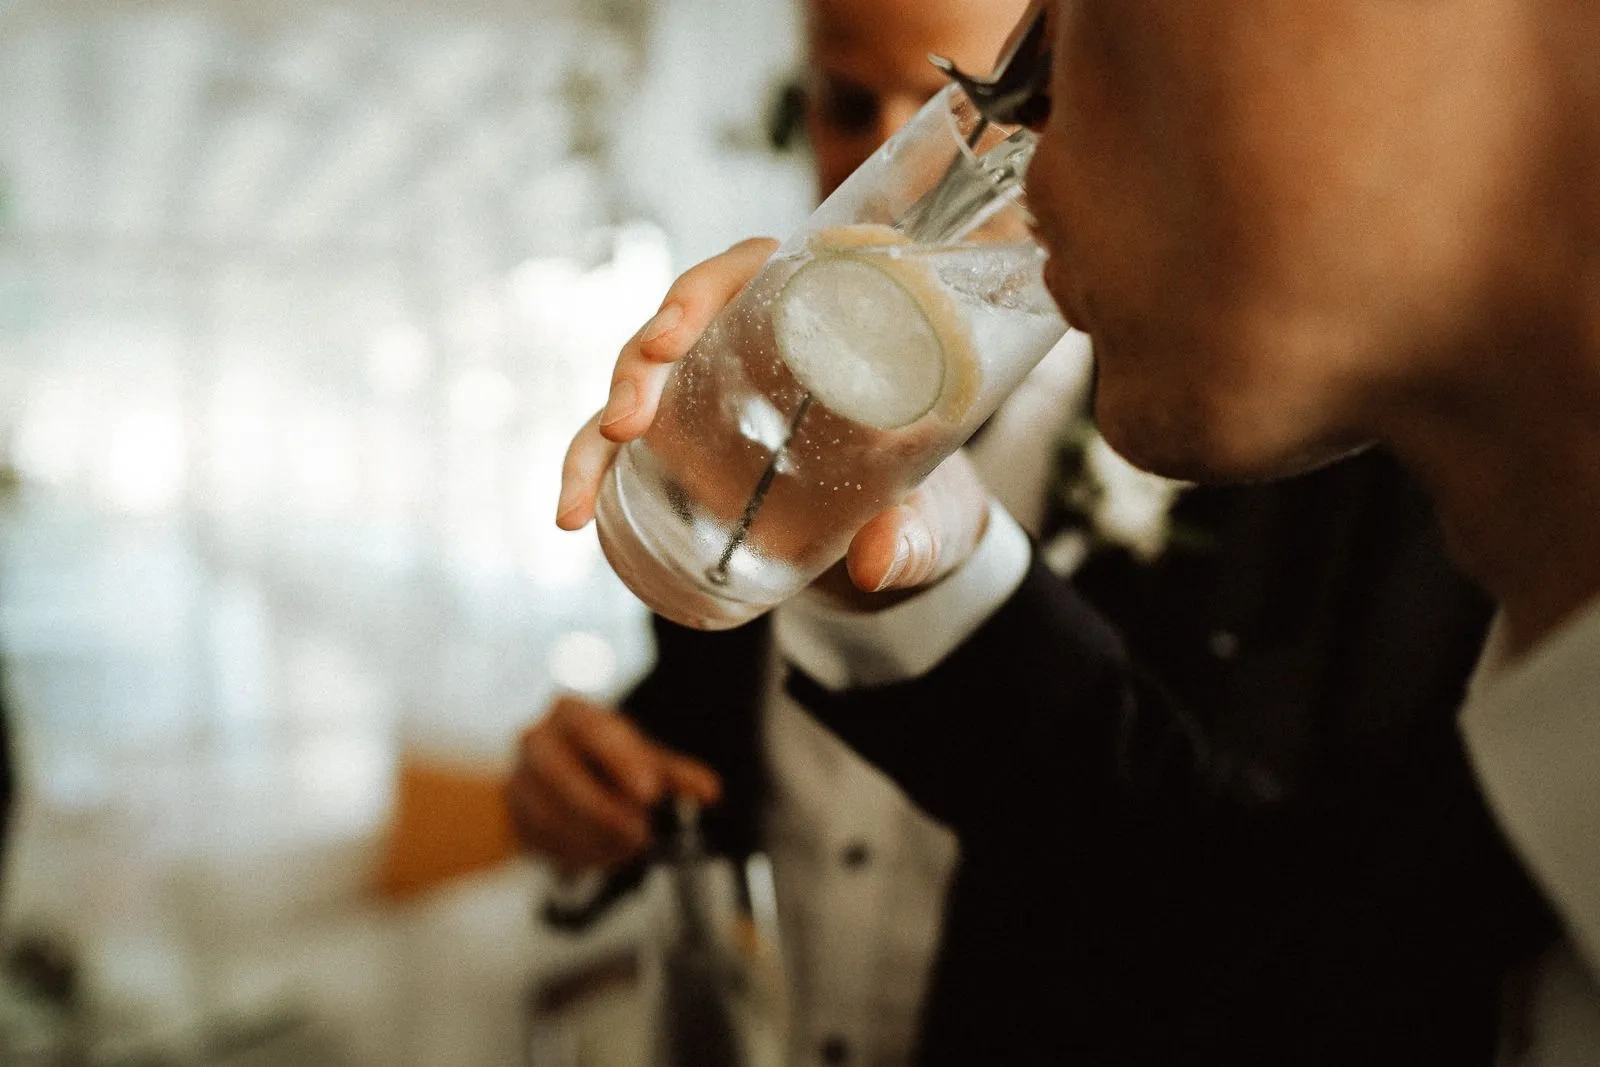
[[585, 782], [903, 548]]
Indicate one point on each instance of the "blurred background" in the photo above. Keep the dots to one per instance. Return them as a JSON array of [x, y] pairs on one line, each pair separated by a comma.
[[299, 306]]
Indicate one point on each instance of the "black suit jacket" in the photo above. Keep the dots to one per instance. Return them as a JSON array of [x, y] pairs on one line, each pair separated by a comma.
[[1211, 811]]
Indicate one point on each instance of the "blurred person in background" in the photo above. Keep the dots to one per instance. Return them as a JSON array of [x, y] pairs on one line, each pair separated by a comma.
[[1370, 909], [860, 872]]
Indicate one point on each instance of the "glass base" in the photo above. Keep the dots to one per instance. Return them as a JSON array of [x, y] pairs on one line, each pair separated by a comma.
[[664, 587]]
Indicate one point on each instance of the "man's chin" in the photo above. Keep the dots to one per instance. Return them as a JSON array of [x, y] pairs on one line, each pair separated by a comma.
[[1188, 458], [1181, 442]]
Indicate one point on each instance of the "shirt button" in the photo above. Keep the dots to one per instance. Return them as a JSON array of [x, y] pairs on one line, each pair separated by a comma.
[[1224, 644], [855, 855], [835, 1051]]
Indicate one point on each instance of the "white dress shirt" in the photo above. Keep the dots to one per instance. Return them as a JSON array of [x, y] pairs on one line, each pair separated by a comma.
[[1532, 728], [861, 877], [861, 873]]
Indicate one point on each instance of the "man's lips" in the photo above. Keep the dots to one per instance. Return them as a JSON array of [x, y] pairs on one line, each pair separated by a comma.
[[1067, 297]]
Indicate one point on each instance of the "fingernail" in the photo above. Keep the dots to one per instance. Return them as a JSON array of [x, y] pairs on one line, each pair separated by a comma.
[[624, 400], [902, 560], [664, 320]]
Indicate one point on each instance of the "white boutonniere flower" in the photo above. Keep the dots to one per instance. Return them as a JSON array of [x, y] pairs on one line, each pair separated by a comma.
[[1129, 507], [1112, 503]]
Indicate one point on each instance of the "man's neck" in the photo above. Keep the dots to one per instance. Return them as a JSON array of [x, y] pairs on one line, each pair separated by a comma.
[[1517, 486]]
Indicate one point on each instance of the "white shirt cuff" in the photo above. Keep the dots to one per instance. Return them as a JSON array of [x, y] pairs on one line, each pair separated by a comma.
[[845, 649], [1532, 730]]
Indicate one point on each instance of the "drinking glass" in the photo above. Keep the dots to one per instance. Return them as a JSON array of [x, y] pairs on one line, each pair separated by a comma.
[[868, 348]]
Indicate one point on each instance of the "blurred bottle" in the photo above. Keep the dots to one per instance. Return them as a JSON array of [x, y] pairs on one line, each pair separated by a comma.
[[700, 977], [725, 1000], [708, 987]]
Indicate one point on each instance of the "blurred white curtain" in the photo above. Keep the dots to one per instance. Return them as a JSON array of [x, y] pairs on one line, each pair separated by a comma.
[[299, 306]]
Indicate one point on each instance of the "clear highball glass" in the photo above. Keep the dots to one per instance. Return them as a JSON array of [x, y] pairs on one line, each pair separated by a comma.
[[869, 347]]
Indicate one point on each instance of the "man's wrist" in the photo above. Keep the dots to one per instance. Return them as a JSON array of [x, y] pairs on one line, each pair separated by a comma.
[[843, 649]]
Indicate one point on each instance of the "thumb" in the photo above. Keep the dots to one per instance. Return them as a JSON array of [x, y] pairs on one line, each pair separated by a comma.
[[925, 538]]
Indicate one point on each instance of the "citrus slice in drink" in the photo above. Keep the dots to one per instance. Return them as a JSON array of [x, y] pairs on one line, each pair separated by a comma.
[[875, 338], [855, 236]]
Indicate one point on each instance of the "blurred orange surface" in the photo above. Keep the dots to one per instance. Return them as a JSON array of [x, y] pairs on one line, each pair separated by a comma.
[[449, 821]]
